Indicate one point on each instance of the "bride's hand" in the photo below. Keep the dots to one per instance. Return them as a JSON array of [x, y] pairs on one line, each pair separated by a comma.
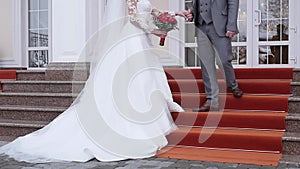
[[159, 33]]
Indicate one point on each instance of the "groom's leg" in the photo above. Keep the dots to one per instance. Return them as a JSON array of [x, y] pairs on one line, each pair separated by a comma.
[[207, 59], [224, 49]]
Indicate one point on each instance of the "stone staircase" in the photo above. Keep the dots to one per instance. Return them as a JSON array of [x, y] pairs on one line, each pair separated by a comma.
[[37, 97], [291, 139]]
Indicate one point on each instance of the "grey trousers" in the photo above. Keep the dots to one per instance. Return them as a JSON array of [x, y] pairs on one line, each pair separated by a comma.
[[209, 42]]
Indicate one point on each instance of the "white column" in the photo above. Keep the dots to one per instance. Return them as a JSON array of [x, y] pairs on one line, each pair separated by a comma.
[[69, 29]]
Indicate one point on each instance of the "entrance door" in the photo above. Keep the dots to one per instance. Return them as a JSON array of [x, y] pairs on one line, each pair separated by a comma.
[[266, 36], [273, 33]]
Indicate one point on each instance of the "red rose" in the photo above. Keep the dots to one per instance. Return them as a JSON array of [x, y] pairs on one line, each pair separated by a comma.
[[173, 21], [164, 20]]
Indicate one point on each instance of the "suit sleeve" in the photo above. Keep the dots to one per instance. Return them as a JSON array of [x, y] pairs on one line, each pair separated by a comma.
[[233, 7]]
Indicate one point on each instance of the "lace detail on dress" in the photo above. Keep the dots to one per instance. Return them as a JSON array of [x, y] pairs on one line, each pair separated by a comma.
[[139, 14]]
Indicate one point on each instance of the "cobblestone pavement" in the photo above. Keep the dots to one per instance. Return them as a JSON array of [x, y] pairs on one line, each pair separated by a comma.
[[150, 163]]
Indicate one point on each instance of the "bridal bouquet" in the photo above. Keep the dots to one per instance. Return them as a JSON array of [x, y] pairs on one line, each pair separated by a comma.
[[165, 22]]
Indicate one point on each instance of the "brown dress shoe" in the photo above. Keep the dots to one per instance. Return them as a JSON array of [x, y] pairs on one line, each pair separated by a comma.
[[207, 107], [237, 93]]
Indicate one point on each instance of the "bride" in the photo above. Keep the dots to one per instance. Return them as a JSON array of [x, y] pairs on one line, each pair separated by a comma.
[[123, 112]]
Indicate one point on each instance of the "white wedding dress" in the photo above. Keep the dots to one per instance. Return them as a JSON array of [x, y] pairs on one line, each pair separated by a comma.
[[122, 113]]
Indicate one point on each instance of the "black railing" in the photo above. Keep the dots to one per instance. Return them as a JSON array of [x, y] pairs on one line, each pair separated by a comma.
[[38, 39]]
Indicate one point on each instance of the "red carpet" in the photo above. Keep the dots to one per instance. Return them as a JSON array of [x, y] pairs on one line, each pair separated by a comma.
[[230, 156], [7, 75], [241, 73], [248, 130]]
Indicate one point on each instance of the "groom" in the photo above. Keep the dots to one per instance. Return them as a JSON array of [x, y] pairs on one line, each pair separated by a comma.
[[216, 23]]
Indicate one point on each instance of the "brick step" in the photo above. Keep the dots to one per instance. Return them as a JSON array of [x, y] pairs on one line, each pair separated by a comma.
[[16, 128], [262, 86], [291, 143], [188, 86], [295, 88], [296, 75], [247, 102], [294, 104], [241, 73], [30, 113], [245, 139], [69, 65], [232, 119], [43, 86], [6, 139], [67, 74], [293, 123], [37, 99], [227, 101], [31, 75], [228, 119], [290, 160]]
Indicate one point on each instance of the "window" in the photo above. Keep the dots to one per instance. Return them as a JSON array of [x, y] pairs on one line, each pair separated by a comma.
[[38, 33]]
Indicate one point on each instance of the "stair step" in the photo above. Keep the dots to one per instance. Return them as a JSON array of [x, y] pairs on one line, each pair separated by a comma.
[[67, 74], [262, 86], [293, 123], [254, 122], [37, 99], [247, 102], [31, 75], [296, 75], [6, 139], [30, 113], [232, 120], [16, 128], [43, 86], [241, 73], [294, 104], [290, 160], [250, 140], [291, 143], [225, 156], [68, 65], [295, 88]]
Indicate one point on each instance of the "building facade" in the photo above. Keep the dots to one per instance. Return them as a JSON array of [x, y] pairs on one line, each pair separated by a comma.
[[36, 32]]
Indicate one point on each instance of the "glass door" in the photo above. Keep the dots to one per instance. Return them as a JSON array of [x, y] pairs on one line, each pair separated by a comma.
[[273, 36], [265, 38], [38, 33]]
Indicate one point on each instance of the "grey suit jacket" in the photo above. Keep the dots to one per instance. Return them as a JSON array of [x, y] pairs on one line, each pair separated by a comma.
[[224, 15]]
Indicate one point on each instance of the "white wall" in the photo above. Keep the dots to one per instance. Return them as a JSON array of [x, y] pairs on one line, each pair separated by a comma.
[[74, 21], [297, 34], [6, 29], [172, 56], [68, 29]]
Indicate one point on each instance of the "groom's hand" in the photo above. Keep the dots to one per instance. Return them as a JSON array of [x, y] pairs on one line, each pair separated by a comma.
[[189, 15], [182, 13]]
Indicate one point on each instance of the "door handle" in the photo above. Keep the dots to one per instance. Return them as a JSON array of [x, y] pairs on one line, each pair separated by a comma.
[[294, 29], [259, 17]]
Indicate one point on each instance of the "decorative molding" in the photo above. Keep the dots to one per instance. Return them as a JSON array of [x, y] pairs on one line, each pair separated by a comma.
[[16, 61]]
